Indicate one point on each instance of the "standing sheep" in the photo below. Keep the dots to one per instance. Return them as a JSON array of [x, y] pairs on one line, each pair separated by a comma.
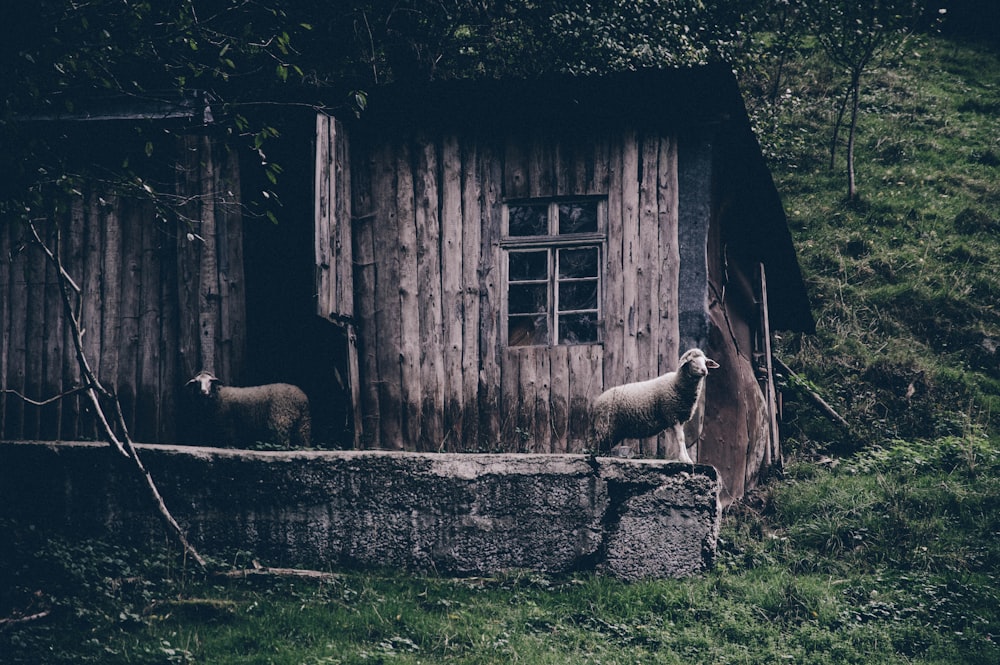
[[646, 408], [276, 413]]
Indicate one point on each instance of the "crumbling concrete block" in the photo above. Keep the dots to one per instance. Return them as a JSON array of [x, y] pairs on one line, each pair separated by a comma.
[[456, 514]]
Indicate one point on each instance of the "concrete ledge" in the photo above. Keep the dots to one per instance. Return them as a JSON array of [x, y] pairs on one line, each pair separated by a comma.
[[450, 513]]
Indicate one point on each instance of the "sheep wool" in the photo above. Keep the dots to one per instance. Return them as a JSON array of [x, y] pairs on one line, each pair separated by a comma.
[[646, 408], [275, 413]]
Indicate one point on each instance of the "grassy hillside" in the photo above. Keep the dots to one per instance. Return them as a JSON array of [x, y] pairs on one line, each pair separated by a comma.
[[904, 281], [887, 555]]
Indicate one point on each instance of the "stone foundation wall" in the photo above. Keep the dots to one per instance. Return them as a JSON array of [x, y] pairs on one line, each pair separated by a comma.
[[455, 514]]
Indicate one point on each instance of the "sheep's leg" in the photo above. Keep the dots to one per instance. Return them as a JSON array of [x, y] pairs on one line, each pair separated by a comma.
[[600, 438], [683, 455], [305, 432], [675, 447]]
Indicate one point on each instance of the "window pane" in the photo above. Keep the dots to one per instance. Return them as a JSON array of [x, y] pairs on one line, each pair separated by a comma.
[[528, 220], [582, 262], [578, 295], [579, 217], [528, 298], [527, 330], [578, 328], [528, 265]]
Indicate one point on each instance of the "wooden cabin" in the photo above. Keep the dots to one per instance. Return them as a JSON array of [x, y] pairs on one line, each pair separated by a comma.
[[485, 258], [502, 252]]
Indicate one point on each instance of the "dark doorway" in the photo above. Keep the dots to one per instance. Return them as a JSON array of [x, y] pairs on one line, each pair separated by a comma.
[[286, 340]]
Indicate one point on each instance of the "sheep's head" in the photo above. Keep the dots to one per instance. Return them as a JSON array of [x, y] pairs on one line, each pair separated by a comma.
[[204, 383], [696, 363]]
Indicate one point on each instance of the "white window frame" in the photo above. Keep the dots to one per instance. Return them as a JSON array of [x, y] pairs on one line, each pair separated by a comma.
[[553, 241]]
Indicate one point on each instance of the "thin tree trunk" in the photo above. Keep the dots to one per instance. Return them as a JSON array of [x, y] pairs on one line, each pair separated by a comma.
[[855, 103], [836, 128]]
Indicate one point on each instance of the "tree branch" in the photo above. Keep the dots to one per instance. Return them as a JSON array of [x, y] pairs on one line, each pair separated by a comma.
[[95, 390], [46, 402]]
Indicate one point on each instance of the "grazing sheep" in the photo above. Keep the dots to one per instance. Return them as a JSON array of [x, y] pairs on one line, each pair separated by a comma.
[[646, 408], [276, 413]]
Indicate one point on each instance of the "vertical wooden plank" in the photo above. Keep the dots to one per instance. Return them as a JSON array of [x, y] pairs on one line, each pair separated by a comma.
[[111, 294], [564, 164], [408, 340], [586, 382], [387, 302], [630, 255], [342, 244], [540, 425], [490, 351], [189, 250], [429, 288], [668, 333], [92, 314], [452, 300], [323, 190], [363, 201], [471, 229], [600, 180], [147, 377], [559, 395], [354, 384], [367, 341], [511, 397], [5, 316], [132, 221], [75, 263], [170, 378], [33, 379], [232, 285], [17, 345], [50, 417], [524, 396], [541, 176], [614, 289], [208, 296], [515, 182], [647, 306]]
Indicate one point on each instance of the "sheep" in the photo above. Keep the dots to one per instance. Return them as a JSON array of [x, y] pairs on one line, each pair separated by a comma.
[[646, 408], [276, 413]]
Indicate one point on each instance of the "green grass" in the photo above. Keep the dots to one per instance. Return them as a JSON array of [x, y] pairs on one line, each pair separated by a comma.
[[887, 555], [903, 280]]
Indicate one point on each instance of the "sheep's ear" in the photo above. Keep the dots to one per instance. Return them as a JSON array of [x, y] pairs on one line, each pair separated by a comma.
[[711, 364], [194, 380]]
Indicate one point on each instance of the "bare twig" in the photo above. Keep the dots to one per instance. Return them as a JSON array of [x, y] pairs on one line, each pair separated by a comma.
[[46, 402]]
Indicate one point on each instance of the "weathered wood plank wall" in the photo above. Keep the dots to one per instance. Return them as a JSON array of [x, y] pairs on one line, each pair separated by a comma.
[[333, 247], [161, 298], [428, 209]]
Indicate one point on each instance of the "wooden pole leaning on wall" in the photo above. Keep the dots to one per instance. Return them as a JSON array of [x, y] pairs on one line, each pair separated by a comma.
[[812, 396]]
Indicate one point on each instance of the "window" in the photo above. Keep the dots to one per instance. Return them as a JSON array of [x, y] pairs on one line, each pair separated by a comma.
[[553, 250]]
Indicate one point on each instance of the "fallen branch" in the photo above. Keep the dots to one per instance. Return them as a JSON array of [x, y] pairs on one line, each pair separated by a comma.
[[817, 401], [95, 391], [13, 621], [279, 572]]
